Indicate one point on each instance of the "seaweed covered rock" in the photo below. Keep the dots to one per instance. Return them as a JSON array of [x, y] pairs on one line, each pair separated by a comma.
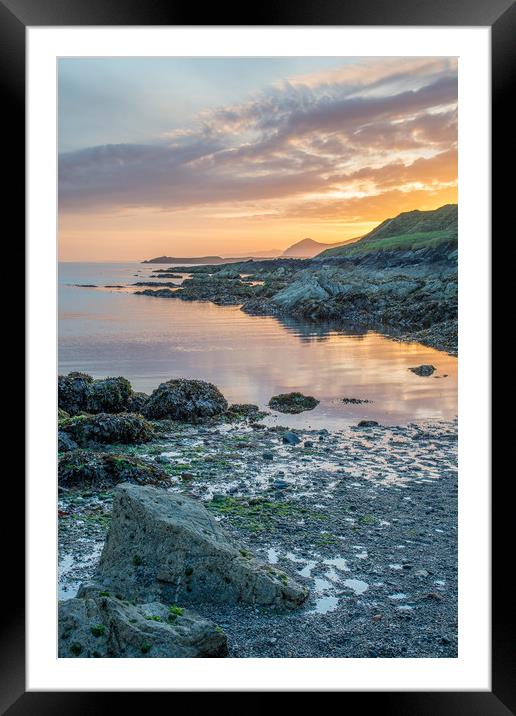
[[100, 626], [65, 442], [72, 390], [423, 370], [81, 468], [292, 402], [80, 393], [136, 402], [186, 400], [244, 411], [169, 548], [104, 428], [111, 395]]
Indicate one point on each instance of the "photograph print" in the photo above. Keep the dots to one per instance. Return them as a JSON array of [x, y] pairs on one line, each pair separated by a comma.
[[257, 344]]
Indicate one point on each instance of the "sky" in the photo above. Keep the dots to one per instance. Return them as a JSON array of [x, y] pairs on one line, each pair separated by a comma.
[[229, 156]]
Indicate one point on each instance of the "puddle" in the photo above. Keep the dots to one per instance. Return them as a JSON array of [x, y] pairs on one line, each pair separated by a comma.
[[356, 585], [272, 556], [323, 605], [338, 563]]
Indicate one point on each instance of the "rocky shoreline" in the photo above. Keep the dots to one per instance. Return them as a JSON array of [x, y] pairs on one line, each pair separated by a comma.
[[364, 518], [409, 294]]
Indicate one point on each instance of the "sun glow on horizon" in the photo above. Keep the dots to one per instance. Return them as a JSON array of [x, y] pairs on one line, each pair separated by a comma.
[[277, 152]]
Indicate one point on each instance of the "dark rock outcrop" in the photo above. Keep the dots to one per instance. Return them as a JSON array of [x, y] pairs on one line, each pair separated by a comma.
[[80, 393], [292, 402], [185, 400], [423, 370], [80, 468], [106, 429]]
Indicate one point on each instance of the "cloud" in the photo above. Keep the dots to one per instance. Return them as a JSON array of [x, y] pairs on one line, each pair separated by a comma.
[[368, 128]]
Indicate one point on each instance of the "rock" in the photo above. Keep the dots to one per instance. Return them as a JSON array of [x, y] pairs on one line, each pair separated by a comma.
[[290, 438], [355, 401], [168, 548], [187, 400], [72, 390], [423, 370], [308, 444], [268, 455], [111, 395], [105, 627], [421, 573], [136, 402], [292, 402], [280, 485], [305, 289], [104, 428], [84, 467], [367, 424], [243, 410], [79, 393], [65, 442]]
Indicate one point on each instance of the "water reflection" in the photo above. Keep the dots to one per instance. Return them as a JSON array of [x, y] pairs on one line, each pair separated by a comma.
[[251, 358]]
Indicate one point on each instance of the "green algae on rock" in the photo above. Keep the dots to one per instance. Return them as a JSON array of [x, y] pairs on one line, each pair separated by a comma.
[[185, 400], [81, 468], [104, 428], [100, 626], [292, 402], [79, 393]]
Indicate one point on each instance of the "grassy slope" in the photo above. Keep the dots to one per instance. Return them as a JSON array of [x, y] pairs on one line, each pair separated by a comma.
[[410, 230]]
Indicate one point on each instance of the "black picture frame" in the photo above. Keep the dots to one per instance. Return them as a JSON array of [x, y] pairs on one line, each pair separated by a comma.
[[15, 16]]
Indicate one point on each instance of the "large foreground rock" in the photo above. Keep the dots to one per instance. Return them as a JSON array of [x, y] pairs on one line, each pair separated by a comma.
[[186, 400], [104, 626], [85, 468], [104, 428], [168, 548]]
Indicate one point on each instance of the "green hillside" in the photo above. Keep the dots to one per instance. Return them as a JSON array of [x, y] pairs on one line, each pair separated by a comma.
[[409, 230]]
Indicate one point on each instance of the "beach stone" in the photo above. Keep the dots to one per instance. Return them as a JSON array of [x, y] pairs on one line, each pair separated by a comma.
[[292, 402], [105, 428], [186, 400], [81, 468], [290, 438], [367, 424], [104, 626], [423, 370], [169, 548]]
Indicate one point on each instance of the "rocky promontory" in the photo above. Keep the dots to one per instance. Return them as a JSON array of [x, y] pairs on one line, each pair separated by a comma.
[[400, 279]]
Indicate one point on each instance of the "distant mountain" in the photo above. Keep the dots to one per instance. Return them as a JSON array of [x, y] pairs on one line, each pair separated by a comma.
[[307, 249], [409, 230]]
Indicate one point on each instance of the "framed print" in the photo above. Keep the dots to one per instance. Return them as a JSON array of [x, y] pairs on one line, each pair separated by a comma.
[[258, 353]]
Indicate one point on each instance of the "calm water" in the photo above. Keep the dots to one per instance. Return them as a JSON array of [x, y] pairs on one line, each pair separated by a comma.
[[110, 332]]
